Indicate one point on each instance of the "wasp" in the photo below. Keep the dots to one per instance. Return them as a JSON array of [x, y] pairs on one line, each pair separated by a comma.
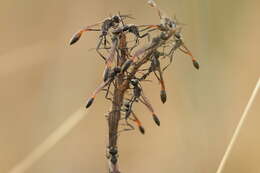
[[105, 26]]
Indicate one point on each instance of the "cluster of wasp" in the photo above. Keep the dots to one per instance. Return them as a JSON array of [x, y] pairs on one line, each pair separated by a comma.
[[128, 62]]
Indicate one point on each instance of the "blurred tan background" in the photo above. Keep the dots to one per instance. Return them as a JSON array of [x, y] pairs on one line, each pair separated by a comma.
[[43, 81]]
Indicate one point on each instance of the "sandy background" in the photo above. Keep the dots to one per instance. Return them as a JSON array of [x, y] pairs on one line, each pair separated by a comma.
[[43, 81]]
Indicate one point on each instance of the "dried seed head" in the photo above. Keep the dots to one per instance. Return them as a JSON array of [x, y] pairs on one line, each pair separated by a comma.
[[163, 96], [90, 101]]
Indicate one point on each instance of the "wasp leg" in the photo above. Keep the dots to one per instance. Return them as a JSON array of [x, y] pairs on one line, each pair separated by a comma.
[[78, 34], [188, 52], [161, 81], [110, 60], [176, 46], [138, 123], [98, 48], [132, 59], [108, 92], [101, 86], [146, 102], [128, 128]]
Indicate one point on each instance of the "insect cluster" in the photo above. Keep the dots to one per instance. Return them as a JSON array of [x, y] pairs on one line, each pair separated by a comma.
[[130, 56]]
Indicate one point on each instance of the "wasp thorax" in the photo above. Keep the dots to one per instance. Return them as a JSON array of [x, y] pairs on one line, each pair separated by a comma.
[[113, 151], [117, 70], [104, 32]]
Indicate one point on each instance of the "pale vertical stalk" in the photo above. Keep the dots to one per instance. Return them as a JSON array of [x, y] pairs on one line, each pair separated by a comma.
[[49, 142], [238, 128]]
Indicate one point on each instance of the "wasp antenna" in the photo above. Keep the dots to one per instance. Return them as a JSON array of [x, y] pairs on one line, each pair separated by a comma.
[[127, 16]]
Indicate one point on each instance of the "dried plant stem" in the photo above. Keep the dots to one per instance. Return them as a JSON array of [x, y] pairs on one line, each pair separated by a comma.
[[238, 128], [115, 113], [121, 85], [113, 119], [114, 116], [48, 143]]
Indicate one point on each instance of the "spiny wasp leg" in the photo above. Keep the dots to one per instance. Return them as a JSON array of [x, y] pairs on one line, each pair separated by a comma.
[[98, 48]]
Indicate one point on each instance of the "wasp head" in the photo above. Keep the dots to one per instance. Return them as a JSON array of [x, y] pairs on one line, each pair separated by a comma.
[[115, 20], [134, 82]]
